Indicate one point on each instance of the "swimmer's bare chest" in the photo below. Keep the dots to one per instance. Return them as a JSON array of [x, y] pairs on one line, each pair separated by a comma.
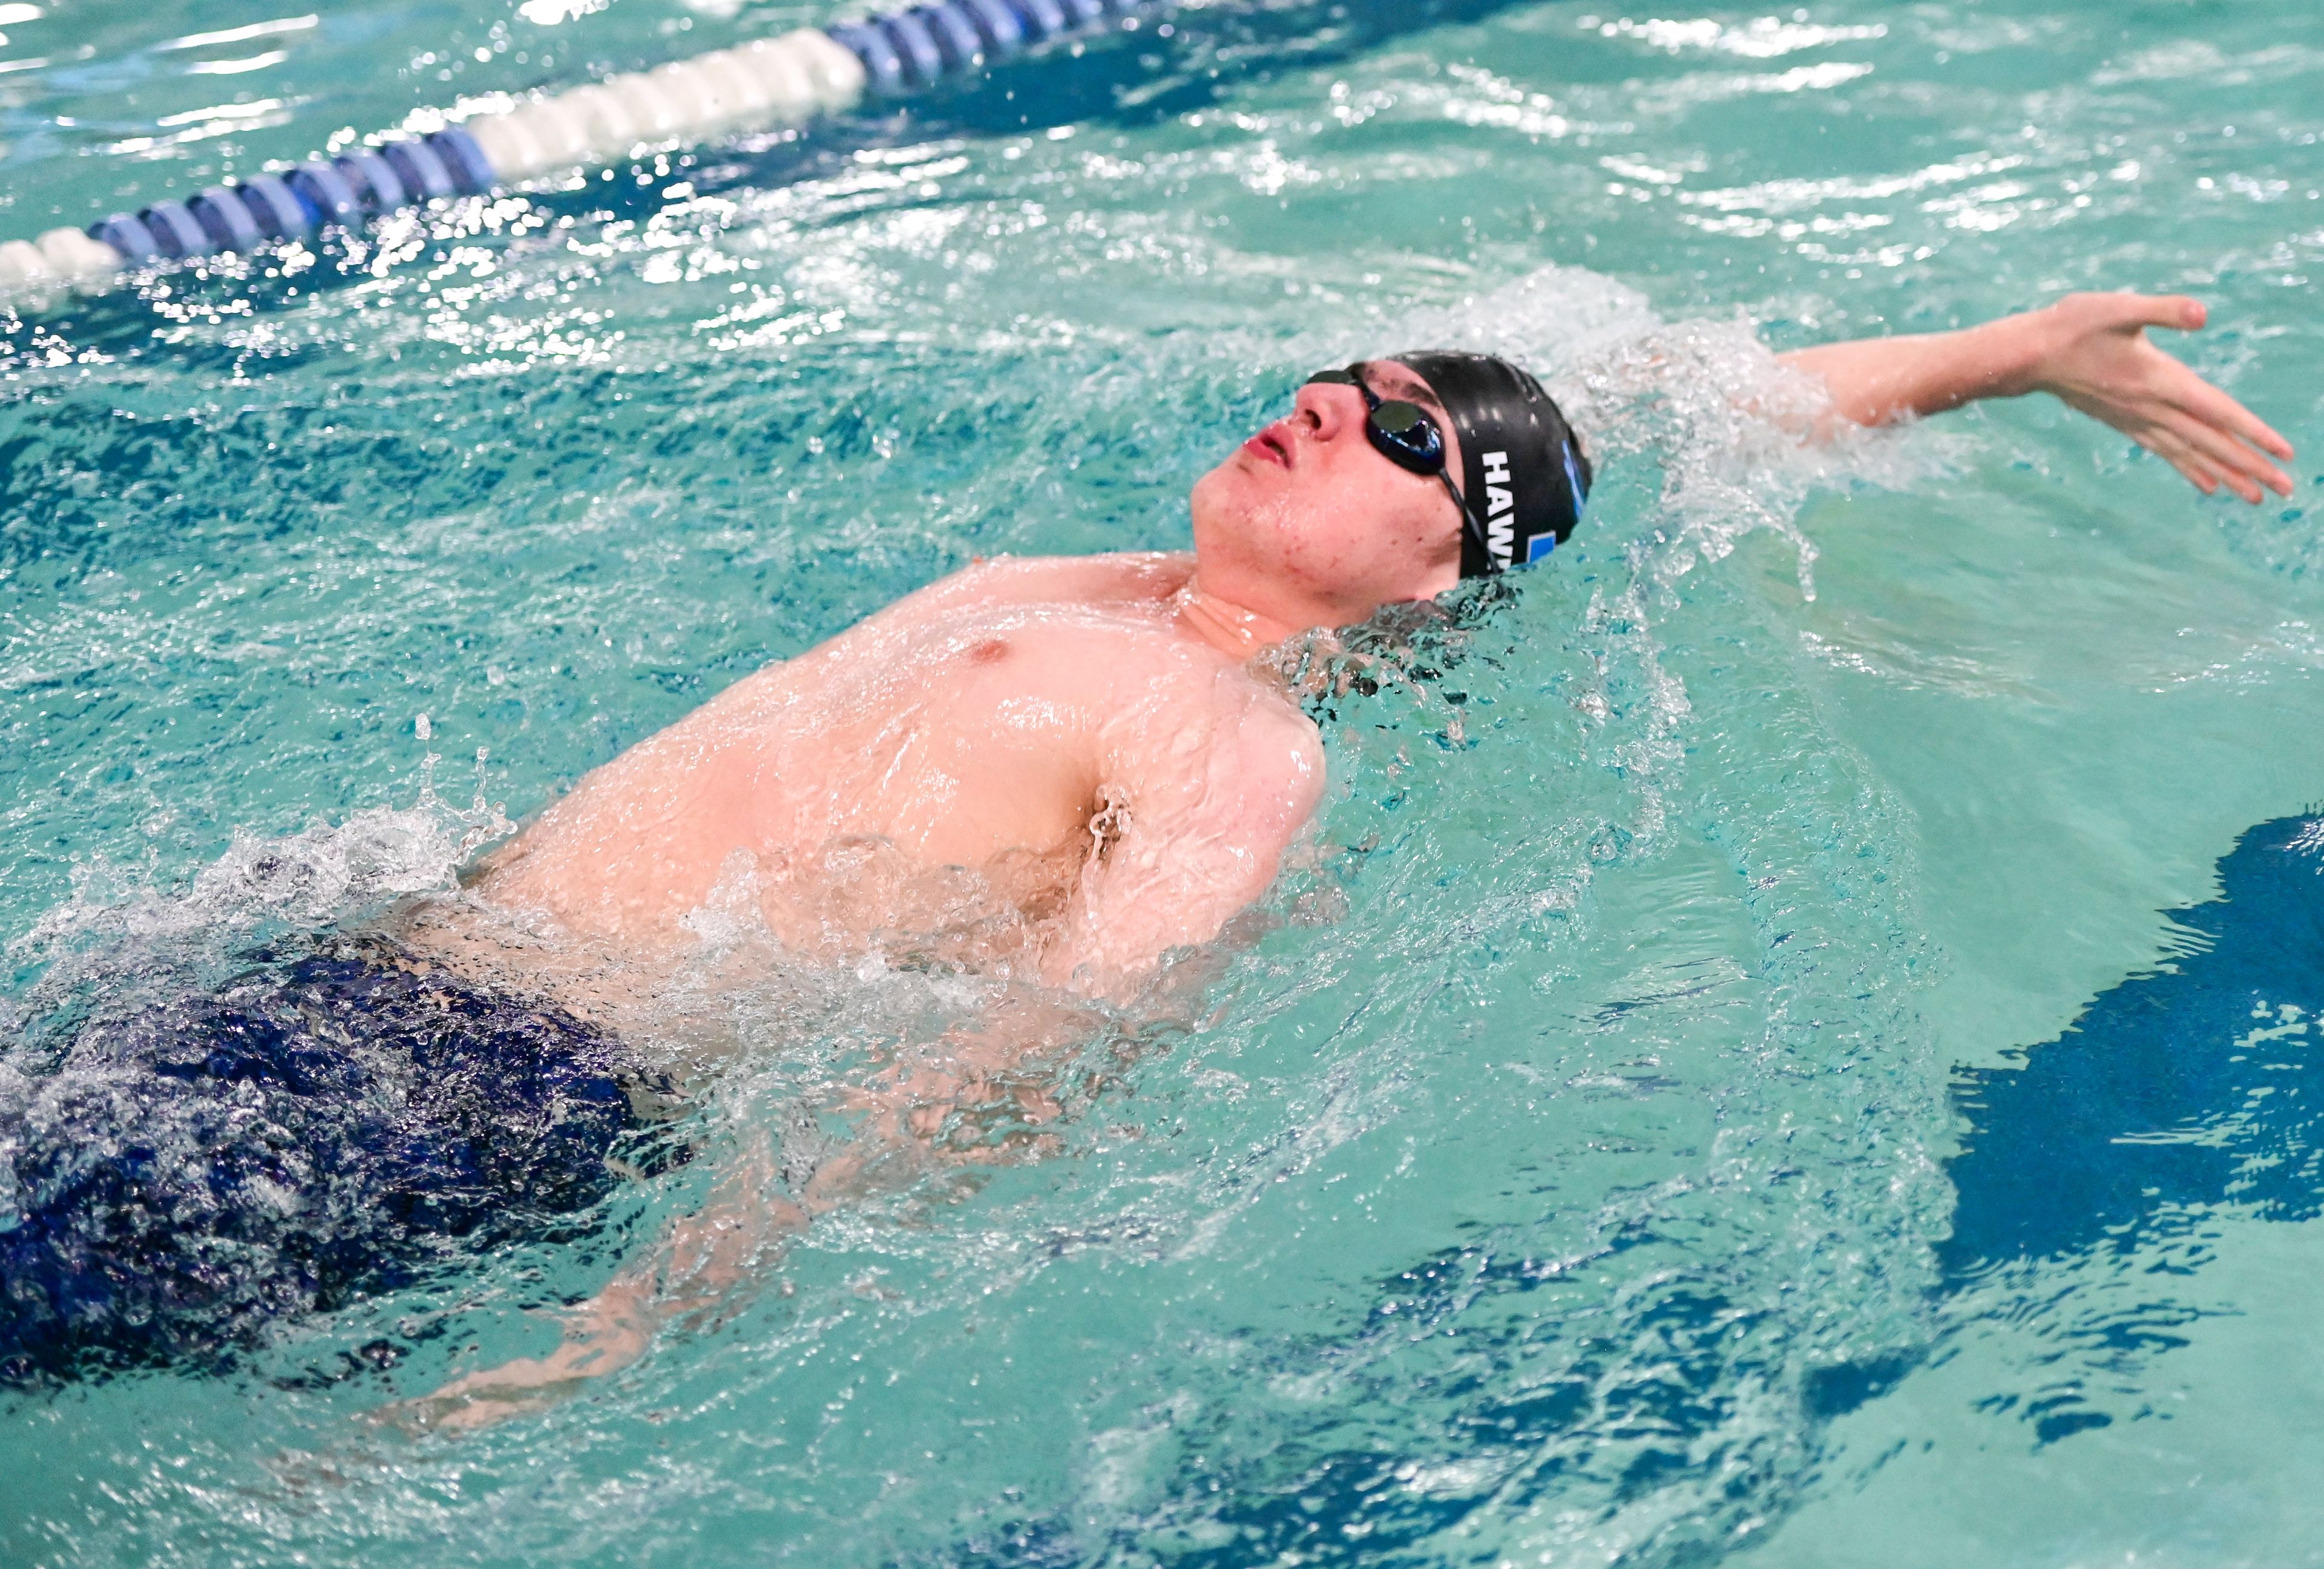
[[968, 726]]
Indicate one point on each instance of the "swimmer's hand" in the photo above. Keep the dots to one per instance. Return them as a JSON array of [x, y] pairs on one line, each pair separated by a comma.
[[611, 1331], [701, 1261], [2089, 351]]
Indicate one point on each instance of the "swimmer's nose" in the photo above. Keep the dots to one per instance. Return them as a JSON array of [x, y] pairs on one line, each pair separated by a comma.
[[1324, 411]]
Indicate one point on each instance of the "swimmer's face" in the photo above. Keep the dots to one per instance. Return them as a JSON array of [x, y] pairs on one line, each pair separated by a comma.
[[1308, 522]]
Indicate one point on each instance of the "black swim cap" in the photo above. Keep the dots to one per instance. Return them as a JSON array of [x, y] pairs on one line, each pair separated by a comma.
[[1523, 470]]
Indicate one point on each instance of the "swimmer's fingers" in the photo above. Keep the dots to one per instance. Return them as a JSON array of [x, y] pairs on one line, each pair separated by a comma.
[[2151, 422], [2237, 440], [2232, 436], [2245, 470], [2228, 435], [2160, 434], [2106, 365], [515, 1388], [2174, 412], [2175, 452], [604, 1337], [2202, 401]]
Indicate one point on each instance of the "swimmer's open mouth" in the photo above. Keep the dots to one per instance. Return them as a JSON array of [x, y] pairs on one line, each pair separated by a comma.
[[1270, 445]]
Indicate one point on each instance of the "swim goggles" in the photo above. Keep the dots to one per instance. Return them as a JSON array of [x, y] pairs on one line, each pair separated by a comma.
[[1406, 436]]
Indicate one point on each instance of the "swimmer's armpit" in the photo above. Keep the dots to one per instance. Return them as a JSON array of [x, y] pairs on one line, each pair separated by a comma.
[[2089, 351], [1203, 805]]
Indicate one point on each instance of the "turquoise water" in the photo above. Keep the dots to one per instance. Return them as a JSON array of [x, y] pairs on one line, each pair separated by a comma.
[[1571, 1167]]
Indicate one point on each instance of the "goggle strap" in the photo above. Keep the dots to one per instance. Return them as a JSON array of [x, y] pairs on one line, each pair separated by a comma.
[[1469, 520]]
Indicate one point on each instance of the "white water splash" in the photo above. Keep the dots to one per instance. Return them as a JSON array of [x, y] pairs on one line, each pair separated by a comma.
[[120, 922]]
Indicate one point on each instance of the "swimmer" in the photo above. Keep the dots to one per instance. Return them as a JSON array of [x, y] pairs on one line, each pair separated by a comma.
[[1097, 741], [1088, 738], [1064, 768]]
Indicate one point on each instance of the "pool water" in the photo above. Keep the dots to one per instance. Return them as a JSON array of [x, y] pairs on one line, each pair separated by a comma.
[[1789, 1039]]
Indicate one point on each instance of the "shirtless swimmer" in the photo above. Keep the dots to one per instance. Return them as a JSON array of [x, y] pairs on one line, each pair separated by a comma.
[[1048, 772], [1091, 737], [1087, 733]]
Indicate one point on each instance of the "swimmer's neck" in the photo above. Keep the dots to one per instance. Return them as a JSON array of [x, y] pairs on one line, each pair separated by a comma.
[[1233, 630]]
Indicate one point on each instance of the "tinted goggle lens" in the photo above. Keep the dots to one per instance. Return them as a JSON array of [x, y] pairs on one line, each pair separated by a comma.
[[1412, 431], [1402, 432]]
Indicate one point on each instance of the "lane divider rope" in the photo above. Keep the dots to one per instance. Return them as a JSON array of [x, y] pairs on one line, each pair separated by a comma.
[[767, 84]]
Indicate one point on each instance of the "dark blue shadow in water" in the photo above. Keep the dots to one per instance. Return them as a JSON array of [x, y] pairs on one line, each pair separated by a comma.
[[2159, 1103]]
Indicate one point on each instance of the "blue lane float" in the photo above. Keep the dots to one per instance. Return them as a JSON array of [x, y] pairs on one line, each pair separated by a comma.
[[767, 84]]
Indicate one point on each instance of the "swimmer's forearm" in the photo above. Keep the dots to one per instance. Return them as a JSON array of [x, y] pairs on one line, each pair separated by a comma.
[[701, 1261], [1880, 380]]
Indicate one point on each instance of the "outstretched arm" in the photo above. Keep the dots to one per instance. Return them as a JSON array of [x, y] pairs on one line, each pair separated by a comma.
[[2091, 352]]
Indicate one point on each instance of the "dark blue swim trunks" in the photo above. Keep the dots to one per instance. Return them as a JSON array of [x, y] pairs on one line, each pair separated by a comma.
[[324, 1127]]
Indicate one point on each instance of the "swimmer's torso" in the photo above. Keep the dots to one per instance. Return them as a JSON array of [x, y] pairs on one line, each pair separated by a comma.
[[951, 764]]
